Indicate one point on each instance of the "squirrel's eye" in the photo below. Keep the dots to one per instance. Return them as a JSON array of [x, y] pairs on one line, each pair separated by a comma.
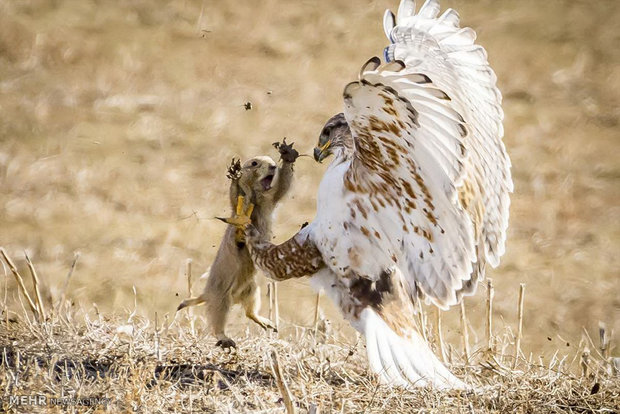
[[254, 163]]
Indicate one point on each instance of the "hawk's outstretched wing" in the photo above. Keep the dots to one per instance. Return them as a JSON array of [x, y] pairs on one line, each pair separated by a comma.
[[438, 47], [426, 190]]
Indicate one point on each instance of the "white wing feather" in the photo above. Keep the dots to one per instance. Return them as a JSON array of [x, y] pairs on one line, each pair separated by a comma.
[[445, 52]]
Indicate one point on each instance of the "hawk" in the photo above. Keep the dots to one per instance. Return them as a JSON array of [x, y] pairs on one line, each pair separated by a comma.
[[415, 202]]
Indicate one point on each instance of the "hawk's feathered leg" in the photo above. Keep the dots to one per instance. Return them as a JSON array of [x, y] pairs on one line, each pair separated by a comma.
[[295, 258]]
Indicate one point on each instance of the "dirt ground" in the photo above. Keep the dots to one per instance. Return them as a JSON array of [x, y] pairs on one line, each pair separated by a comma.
[[118, 118]]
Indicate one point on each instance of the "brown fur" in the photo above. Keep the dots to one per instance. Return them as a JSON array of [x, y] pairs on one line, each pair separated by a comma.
[[231, 276]]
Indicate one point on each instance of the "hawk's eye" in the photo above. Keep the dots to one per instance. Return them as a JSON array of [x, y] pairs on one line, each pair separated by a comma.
[[254, 163]]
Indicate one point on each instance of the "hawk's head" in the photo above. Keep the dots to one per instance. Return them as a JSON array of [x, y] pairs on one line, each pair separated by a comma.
[[335, 136]]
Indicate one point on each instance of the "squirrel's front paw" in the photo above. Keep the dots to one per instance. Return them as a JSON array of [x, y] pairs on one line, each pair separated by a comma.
[[287, 152], [234, 170]]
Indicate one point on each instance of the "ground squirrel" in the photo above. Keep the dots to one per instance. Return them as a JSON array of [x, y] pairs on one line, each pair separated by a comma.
[[231, 276]]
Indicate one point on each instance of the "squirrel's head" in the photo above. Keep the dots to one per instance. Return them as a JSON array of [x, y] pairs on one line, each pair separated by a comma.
[[258, 175]]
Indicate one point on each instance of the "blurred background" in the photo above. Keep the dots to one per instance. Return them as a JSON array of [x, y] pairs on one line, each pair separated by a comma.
[[118, 119]]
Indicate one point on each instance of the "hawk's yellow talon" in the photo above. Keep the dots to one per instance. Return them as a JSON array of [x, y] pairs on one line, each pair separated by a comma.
[[242, 218], [240, 205]]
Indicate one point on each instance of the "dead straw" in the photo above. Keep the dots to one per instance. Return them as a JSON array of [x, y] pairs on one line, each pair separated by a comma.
[[489, 330], [270, 295], [274, 313], [190, 311], [35, 282], [20, 283], [464, 332], [282, 386], [604, 340], [520, 326], [157, 340], [439, 334], [316, 312], [63, 295]]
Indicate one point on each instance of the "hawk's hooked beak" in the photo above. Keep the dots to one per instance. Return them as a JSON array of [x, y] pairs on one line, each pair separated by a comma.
[[320, 153]]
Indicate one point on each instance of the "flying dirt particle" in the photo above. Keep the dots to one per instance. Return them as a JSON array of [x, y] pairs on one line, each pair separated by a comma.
[[247, 105]]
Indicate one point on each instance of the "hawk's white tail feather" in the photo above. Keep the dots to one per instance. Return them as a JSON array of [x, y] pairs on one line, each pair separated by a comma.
[[403, 361], [400, 361]]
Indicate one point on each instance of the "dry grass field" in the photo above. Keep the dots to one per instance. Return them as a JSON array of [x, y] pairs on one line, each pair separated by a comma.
[[117, 122], [150, 367]]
